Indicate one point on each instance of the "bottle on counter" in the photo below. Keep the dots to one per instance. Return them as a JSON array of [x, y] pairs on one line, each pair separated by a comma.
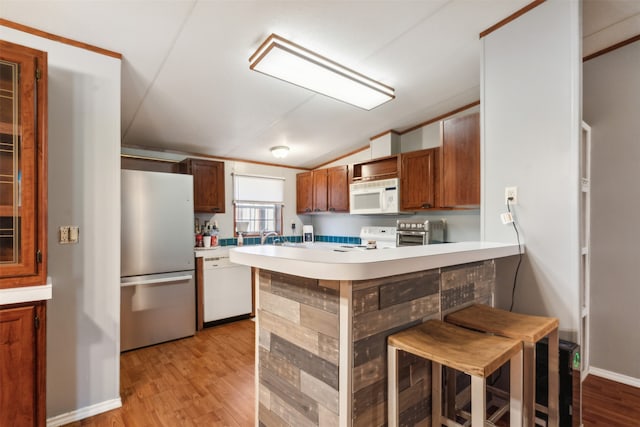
[[240, 239]]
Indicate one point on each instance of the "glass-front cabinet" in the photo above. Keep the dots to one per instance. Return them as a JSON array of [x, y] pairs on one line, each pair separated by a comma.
[[23, 134]]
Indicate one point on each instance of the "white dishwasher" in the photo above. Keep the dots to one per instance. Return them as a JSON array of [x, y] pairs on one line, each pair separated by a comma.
[[227, 289]]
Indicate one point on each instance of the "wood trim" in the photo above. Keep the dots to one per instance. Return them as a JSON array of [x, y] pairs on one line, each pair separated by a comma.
[[441, 117], [612, 48], [41, 363], [209, 156], [511, 17], [42, 157], [199, 293], [254, 283], [350, 153], [153, 159], [383, 134], [46, 35]]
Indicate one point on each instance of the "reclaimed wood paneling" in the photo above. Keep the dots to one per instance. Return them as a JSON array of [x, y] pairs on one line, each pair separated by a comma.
[[329, 348], [307, 361], [292, 395], [370, 323], [319, 320], [305, 291], [320, 391], [280, 306], [296, 334], [409, 288], [300, 349]]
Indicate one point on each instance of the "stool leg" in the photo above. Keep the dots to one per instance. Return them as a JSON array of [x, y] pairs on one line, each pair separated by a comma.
[[515, 390], [478, 401], [436, 394], [451, 391], [554, 378], [393, 392], [529, 392]]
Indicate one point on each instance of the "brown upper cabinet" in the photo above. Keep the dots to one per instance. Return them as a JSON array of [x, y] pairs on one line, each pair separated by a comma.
[[461, 161], [338, 189], [208, 184], [304, 193], [323, 190], [380, 168], [23, 172], [419, 179]]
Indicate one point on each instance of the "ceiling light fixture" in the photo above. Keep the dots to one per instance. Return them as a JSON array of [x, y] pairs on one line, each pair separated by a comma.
[[280, 58], [280, 152]]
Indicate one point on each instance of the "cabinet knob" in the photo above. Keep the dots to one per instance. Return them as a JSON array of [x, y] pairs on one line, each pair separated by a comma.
[[426, 205], [307, 210]]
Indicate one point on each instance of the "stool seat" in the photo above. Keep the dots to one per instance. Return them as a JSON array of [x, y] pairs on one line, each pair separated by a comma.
[[528, 329], [474, 353], [470, 352], [518, 326]]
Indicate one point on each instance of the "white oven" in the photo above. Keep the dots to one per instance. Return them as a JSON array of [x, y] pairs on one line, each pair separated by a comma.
[[375, 197]]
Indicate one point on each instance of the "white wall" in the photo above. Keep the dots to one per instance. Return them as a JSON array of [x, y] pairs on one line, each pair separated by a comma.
[[530, 120], [225, 220], [611, 105], [83, 333], [461, 225]]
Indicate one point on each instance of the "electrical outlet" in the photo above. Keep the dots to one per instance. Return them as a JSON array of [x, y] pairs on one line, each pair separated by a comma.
[[64, 234], [511, 193], [74, 232]]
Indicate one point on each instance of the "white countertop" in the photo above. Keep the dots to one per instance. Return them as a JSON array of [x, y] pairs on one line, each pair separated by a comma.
[[26, 293], [212, 251], [322, 261]]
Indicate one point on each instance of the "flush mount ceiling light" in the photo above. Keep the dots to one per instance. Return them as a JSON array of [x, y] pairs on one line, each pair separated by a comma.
[[280, 152], [280, 58]]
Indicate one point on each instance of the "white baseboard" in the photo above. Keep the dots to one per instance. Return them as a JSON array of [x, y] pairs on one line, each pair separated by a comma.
[[613, 376], [82, 413]]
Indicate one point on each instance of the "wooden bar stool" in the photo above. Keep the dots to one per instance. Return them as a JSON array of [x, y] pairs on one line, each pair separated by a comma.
[[529, 330], [473, 353]]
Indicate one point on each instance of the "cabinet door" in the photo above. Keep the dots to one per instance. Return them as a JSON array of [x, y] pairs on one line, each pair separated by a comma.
[[418, 183], [461, 161], [320, 182], [21, 366], [208, 185], [338, 189], [304, 193], [23, 131]]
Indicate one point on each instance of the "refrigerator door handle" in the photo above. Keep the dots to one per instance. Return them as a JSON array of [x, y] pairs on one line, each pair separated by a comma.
[[147, 280]]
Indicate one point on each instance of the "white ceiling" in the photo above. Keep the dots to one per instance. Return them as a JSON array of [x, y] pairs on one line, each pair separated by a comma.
[[186, 83]]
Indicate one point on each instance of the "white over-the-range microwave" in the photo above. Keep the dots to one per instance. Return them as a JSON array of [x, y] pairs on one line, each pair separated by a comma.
[[375, 197]]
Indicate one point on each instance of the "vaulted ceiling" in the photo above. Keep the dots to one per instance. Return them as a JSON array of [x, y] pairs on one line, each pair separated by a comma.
[[186, 83]]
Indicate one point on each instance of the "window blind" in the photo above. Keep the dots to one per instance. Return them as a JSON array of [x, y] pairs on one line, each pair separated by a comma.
[[258, 189]]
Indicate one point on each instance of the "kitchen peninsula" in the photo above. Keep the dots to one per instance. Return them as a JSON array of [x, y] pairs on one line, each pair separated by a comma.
[[324, 313]]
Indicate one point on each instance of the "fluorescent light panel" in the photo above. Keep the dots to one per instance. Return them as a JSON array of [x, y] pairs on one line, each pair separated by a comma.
[[287, 61]]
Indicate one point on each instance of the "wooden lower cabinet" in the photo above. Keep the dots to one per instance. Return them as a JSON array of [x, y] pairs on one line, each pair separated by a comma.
[[22, 365]]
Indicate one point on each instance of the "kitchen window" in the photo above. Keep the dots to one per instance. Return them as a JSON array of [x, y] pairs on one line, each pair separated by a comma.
[[258, 202]]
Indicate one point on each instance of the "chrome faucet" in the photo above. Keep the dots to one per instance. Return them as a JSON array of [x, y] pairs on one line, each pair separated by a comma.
[[265, 234]]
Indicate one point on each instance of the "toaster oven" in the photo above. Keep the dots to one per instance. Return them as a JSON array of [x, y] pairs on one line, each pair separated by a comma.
[[413, 233]]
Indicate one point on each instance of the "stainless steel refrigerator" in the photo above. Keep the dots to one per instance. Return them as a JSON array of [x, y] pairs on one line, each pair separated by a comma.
[[157, 284]]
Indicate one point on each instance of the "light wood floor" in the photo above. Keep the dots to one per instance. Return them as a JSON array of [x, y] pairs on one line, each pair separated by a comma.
[[208, 380]]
